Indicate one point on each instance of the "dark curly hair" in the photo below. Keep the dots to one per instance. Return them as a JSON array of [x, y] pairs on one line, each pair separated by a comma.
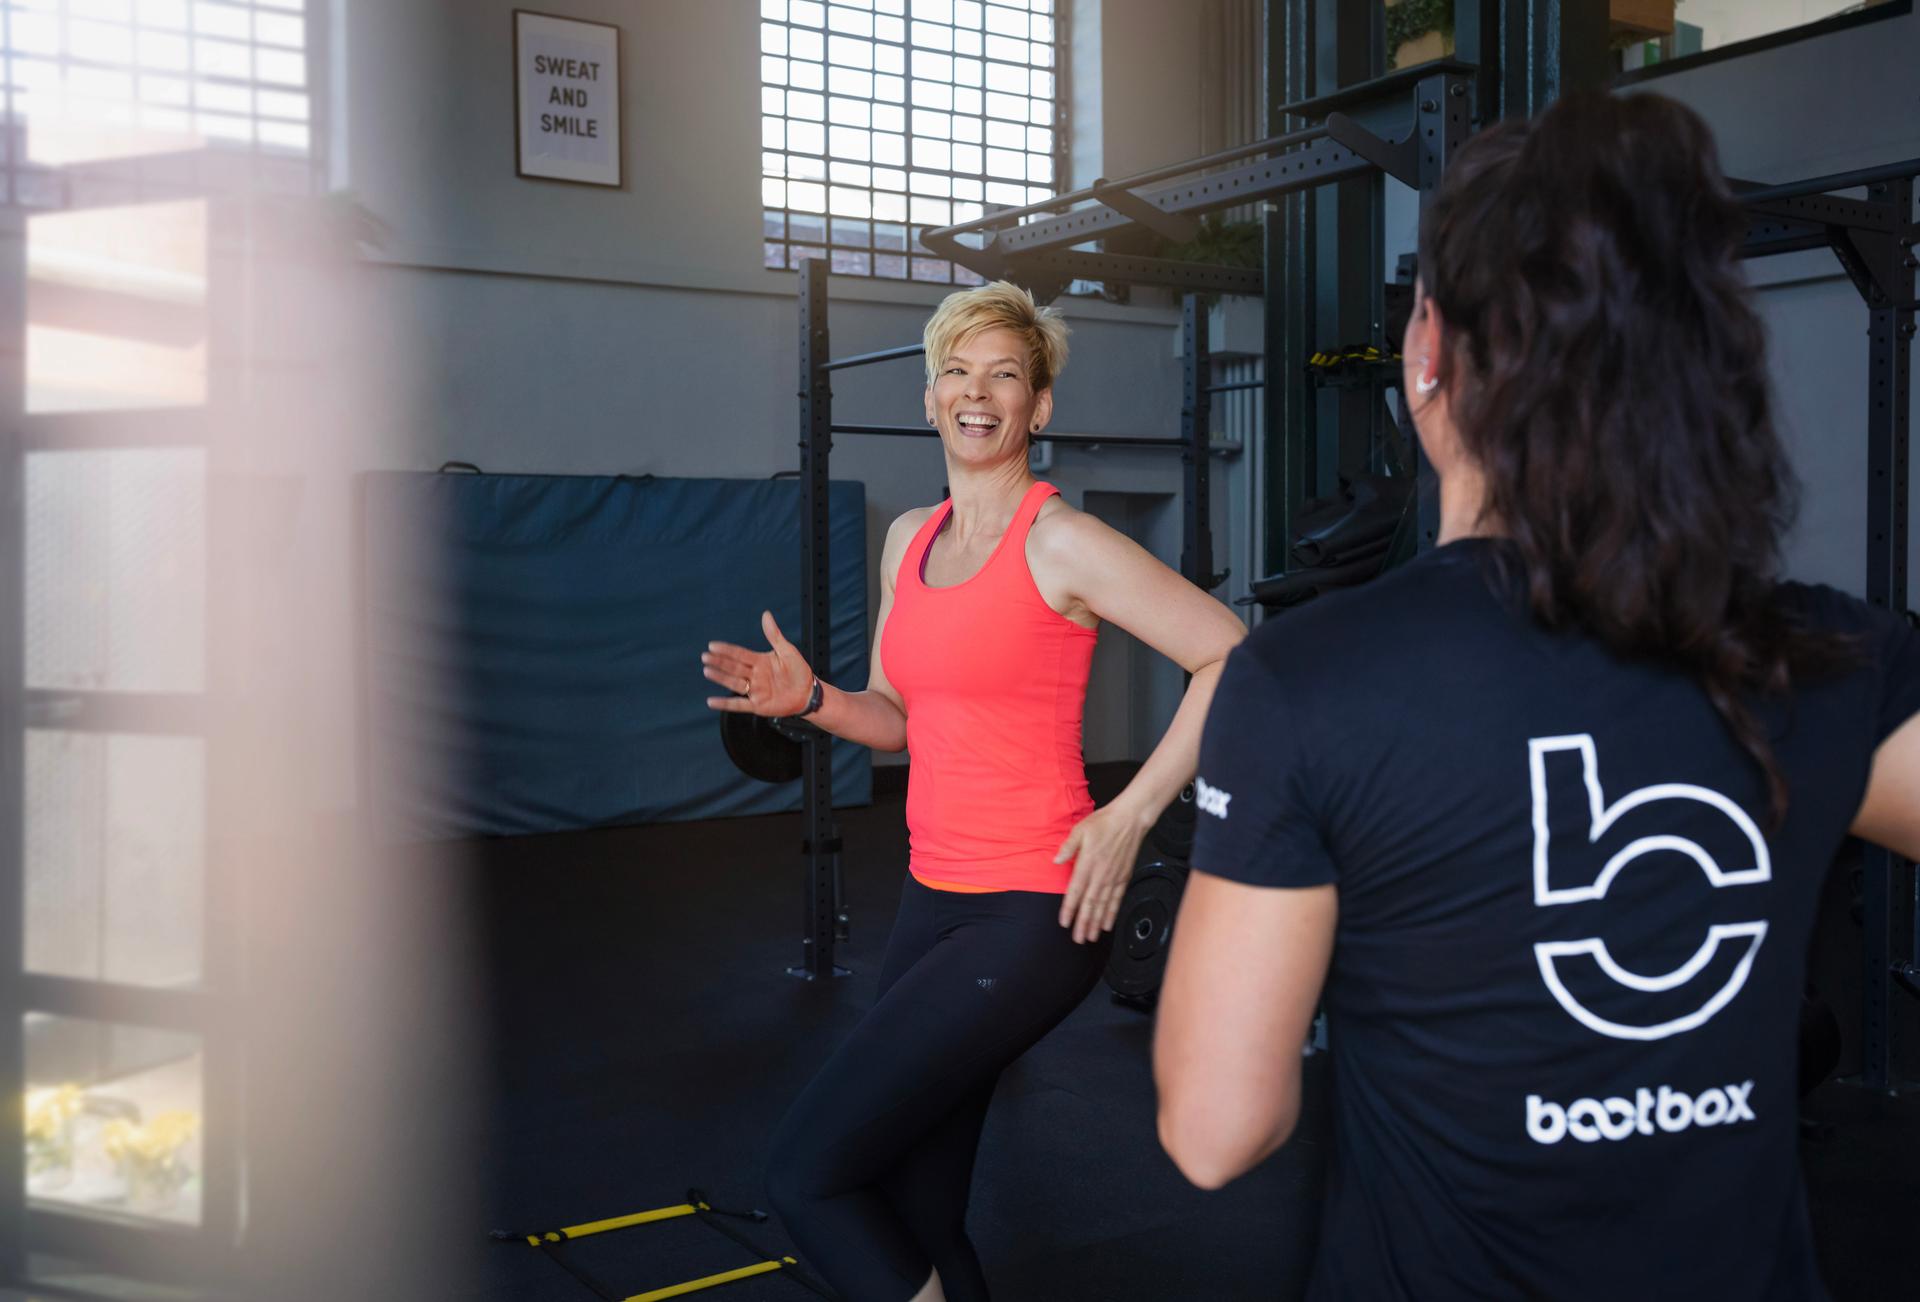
[[1608, 374]]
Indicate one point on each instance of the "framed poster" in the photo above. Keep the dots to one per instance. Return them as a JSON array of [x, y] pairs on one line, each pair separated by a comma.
[[566, 90]]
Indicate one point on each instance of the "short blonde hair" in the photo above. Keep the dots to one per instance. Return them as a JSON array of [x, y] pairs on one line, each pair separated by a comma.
[[999, 305]]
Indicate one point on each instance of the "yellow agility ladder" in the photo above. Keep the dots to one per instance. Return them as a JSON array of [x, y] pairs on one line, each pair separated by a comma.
[[549, 1241]]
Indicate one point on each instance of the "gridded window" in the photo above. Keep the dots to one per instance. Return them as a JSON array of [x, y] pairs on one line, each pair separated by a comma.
[[882, 118], [91, 80]]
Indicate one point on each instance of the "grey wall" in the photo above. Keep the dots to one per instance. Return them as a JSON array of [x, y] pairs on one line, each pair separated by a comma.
[[531, 326], [1820, 105]]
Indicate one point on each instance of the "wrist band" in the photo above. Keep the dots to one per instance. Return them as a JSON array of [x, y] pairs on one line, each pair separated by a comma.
[[814, 699]]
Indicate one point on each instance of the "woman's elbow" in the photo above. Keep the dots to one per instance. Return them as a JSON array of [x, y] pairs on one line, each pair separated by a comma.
[[1210, 1151]]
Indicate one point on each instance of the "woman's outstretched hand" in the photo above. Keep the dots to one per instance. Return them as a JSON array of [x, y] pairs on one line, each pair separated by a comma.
[[773, 683], [1102, 848]]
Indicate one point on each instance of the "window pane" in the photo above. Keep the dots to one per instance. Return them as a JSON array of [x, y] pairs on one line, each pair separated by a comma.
[[851, 112], [1004, 135], [280, 29], [853, 234], [1005, 21], [851, 52], [116, 308], [115, 857], [114, 1118], [847, 142], [116, 563], [850, 81], [844, 201], [79, 102], [854, 22], [1006, 78], [847, 156]]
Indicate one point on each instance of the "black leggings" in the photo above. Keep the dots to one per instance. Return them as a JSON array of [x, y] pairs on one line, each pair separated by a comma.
[[871, 1167]]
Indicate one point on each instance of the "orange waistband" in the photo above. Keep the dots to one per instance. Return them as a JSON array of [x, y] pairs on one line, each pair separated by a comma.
[[958, 888]]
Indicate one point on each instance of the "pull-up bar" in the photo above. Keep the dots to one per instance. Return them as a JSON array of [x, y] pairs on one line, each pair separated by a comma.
[[1834, 181], [1074, 440], [866, 359]]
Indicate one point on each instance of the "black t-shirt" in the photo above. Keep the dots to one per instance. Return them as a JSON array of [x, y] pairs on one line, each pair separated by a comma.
[[1570, 955]]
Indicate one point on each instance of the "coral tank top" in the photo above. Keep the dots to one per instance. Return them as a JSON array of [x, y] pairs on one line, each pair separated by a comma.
[[995, 682]]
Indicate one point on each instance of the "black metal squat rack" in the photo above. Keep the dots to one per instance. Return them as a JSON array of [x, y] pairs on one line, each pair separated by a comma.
[[1874, 239]]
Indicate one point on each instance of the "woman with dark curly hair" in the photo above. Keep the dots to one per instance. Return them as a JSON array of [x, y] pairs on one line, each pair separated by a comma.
[[1547, 810]]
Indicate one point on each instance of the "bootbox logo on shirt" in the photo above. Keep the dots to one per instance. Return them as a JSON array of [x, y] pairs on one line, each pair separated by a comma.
[[1672, 1110], [1565, 771], [1668, 1003]]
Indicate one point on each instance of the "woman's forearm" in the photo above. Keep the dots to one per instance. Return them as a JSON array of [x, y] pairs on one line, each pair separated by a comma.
[[864, 718], [1177, 757]]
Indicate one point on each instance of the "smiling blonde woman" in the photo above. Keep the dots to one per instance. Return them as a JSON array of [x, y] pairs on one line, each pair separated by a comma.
[[990, 606]]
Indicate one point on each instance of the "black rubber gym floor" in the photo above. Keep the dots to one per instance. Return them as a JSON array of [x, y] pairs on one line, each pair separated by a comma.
[[645, 1039]]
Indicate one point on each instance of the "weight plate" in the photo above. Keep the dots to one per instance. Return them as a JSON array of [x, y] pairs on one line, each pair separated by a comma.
[[757, 749], [1144, 929]]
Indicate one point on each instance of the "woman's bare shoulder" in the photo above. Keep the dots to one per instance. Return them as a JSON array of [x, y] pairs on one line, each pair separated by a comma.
[[912, 518], [1061, 525], [899, 534]]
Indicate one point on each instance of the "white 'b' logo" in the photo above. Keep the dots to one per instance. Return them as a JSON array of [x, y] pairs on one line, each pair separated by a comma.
[[1553, 956]]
